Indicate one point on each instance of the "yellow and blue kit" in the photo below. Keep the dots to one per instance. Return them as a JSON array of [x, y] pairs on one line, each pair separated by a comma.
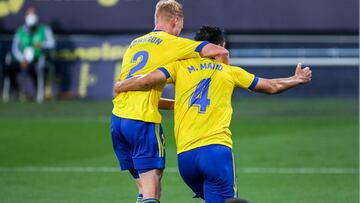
[[144, 55], [203, 91], [136, 132]]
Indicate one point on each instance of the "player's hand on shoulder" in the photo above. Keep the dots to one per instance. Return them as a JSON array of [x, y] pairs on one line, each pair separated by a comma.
[[303, 75], [223, 59]]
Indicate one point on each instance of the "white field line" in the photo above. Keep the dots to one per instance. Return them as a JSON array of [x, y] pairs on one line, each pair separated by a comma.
[[107, 169]]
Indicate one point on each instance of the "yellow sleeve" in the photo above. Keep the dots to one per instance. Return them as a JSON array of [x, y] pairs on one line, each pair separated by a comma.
[[243, 79], [170, 71], [186, 48]]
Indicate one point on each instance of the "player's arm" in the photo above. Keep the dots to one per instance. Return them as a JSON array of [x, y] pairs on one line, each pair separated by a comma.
[[140, 82], [215, 51], [195, 49], [278, 85], [166, 104], [145, 82]]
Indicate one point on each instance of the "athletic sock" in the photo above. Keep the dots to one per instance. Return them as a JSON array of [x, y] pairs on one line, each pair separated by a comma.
[[150, 200], [139, 198]]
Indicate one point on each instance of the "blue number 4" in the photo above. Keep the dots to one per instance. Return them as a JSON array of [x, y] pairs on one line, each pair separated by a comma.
[[144, 58], [200, 96]]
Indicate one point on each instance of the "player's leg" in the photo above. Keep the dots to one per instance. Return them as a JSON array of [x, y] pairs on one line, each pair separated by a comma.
[[140, 196], [219, 171], [148, 156], [124, 153], [189, 170], [11, 71], [135, 175], [32, 73], [151, 184]]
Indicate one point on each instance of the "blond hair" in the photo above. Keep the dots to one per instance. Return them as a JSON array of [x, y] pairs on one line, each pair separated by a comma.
[[168, 9]]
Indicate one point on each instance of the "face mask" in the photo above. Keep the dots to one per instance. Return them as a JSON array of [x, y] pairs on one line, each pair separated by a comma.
[[31, 20]]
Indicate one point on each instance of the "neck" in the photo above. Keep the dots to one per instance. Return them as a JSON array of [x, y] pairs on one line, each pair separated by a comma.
[[163, 27]]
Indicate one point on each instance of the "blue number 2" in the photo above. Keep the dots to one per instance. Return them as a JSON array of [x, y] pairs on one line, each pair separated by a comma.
[[144, 58], [200, 96]]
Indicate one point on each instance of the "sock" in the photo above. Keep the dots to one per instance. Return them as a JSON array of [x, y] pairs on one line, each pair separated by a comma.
[[139, 198], [150, 200]]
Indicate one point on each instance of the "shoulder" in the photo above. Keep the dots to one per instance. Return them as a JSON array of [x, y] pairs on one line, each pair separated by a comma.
[[138, 39], [179, 39], [218, 64], [231, 67], [205, 60], [190, 61]]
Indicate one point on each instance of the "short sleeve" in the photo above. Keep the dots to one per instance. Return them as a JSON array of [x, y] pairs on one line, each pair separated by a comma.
[[188, 48], [170, 71], [243, 79]]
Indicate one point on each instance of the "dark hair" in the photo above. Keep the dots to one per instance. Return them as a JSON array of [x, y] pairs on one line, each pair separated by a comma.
[[211, 34]]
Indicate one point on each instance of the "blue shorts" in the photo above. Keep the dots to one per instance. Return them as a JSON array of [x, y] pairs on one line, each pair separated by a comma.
[[138, 145], [210, 172]]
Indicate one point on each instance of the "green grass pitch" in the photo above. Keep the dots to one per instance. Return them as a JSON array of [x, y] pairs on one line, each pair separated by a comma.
[[287, 151]]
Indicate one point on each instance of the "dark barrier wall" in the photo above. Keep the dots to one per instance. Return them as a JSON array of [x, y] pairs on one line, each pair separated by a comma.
[[236, 15]]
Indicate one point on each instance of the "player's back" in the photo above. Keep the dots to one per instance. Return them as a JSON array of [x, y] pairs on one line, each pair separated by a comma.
[[203, 101], [144, 55]]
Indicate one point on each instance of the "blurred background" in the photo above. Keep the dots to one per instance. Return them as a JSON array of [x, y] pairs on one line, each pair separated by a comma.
[[299, 146], [266, 37]]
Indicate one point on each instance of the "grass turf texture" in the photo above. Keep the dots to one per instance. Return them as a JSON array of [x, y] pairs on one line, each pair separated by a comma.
[[267, 133]]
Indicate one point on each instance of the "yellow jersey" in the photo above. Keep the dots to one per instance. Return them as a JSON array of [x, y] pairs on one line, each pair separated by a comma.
[[144, 55], [203, 90]]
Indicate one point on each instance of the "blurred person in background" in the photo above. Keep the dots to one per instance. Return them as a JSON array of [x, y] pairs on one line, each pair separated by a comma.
[[28, 56]]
